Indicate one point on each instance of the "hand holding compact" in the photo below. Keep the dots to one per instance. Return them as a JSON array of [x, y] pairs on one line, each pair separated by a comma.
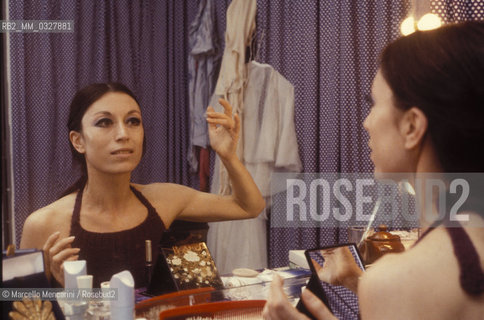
[[339, 268], [279, 307]]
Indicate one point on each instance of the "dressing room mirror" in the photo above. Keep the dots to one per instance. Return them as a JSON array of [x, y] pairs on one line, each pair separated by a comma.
[[333, 266]]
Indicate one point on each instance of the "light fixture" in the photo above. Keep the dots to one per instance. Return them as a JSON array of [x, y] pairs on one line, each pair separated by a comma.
[[429, 21], [419, 18], [408, 26]]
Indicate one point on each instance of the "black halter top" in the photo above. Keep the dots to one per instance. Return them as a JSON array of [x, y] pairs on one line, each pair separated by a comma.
[[113, 252]]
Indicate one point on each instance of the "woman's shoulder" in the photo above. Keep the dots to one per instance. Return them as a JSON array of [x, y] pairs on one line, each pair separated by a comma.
[[409, 283], [55, 216], [435, 248], [60, 208]]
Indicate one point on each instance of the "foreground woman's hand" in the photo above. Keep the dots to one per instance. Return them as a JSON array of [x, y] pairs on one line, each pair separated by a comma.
[[279, 307], [223, 130], [56, 251], [339, 268]]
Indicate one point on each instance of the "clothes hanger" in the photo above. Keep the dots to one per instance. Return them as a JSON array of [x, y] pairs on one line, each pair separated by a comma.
[[255, 46]]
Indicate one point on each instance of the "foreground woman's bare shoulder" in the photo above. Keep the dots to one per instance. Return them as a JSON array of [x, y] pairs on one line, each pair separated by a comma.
[[422, 282]]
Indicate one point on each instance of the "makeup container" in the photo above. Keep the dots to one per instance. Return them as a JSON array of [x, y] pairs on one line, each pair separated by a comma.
[[122, 308]]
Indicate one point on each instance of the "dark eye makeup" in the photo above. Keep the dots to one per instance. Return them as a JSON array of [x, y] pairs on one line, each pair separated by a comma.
[[103, 122], [135, 121], [108, 121]]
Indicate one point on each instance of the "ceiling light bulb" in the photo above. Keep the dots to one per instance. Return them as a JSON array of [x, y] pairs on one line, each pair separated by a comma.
[[428, 22], [408, 26]]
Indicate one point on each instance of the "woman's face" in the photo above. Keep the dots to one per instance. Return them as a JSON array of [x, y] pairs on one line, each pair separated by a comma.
[[112, 134], [383, 126]]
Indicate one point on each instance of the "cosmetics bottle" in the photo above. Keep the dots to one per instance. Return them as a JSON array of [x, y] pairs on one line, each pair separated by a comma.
[[73, 308], [148, 262]]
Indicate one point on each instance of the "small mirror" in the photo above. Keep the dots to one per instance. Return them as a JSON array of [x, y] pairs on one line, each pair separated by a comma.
[[336, 265]]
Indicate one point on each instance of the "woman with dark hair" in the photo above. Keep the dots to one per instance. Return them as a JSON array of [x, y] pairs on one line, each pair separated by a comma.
[[427, 116], [104, 218]]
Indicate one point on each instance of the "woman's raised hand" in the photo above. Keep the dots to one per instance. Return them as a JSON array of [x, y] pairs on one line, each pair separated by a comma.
[[56, 251], [223, 130]]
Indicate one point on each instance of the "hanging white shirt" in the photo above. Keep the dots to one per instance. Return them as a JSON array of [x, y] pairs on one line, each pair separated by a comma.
[[270, 146]]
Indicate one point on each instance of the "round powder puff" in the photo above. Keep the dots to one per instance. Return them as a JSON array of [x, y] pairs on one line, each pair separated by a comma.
[[245, 272]]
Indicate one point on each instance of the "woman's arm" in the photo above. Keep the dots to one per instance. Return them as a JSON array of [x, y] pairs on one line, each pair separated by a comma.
[[224, 132], [246, 200]]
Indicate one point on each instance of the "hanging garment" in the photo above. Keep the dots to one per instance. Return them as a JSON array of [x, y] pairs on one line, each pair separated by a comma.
[[203, 65], [270, 146], [232, 77]]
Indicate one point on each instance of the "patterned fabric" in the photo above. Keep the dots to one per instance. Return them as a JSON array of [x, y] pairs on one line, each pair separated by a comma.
[[458, 10], [203, 64], [329, 52], [344, 303]]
